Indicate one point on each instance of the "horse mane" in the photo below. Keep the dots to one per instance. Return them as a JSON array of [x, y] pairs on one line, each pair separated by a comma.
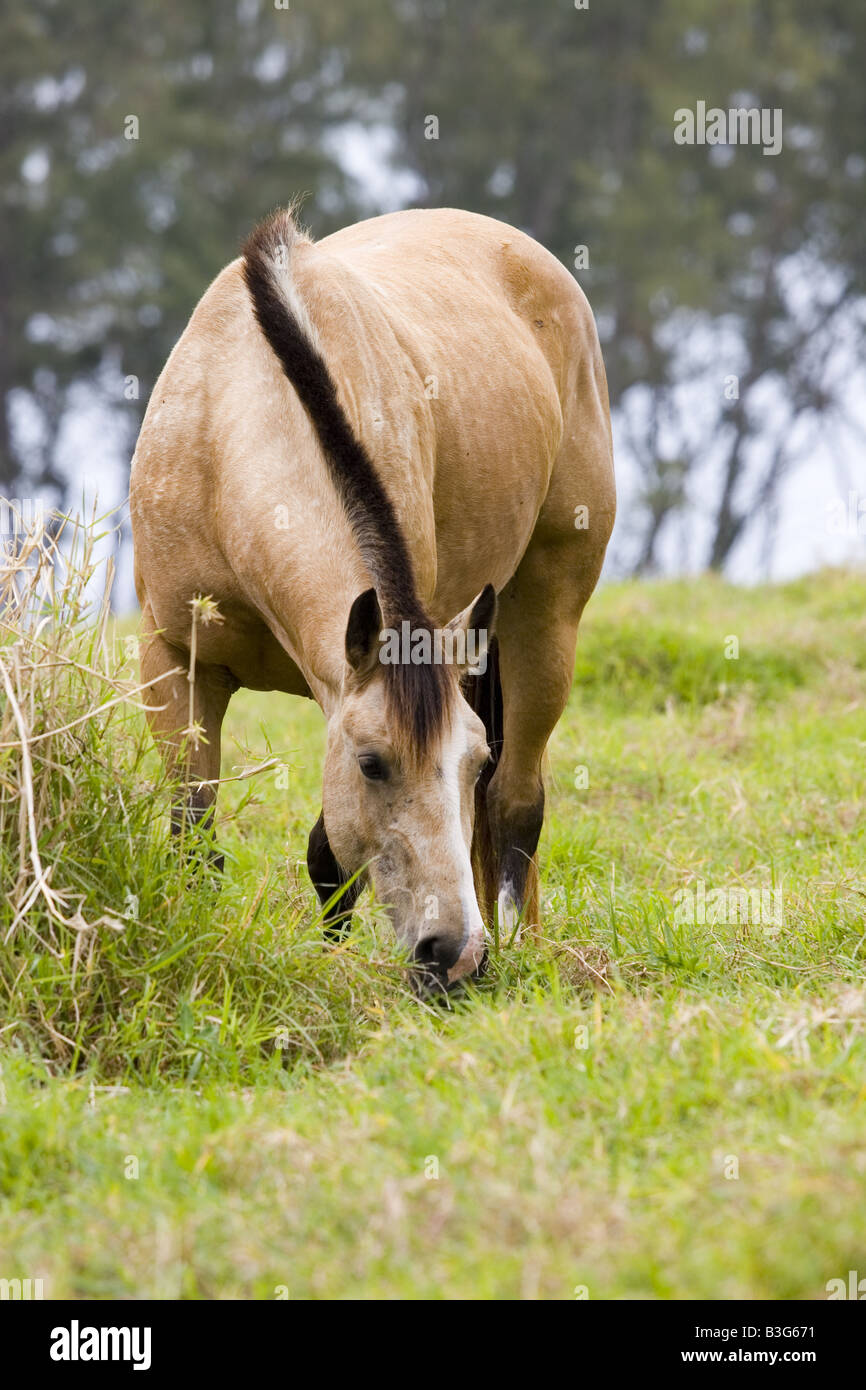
[[418, 696]]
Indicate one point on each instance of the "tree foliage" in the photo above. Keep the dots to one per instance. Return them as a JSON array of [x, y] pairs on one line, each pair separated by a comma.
[[728, 284]]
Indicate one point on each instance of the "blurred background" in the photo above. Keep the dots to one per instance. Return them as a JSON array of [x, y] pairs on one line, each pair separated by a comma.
[[141, 142]]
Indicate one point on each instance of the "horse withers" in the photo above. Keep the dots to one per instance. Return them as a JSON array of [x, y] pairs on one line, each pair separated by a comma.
[[402, 430]]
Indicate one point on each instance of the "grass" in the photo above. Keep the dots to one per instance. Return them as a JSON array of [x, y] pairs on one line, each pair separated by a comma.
[[201, 1100]]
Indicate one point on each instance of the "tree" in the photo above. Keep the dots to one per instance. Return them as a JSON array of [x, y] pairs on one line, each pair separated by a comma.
[[728, 284], [562, 121], [140, 144]]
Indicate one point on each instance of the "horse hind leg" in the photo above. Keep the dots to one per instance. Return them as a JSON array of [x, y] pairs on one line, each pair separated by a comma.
[[507, 821], [193, 756], [327, 877], [539, 613]]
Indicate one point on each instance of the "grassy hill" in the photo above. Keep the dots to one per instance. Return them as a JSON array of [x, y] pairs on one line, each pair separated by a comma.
[[199, 1099]]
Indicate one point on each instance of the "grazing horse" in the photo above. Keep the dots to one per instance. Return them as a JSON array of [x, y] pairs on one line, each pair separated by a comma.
[[367, 435]]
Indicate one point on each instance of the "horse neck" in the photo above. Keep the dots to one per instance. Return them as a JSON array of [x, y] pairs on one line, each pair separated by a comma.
[[307, 569]]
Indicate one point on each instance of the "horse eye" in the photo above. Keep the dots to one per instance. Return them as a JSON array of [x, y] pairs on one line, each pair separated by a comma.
[[373, 767]]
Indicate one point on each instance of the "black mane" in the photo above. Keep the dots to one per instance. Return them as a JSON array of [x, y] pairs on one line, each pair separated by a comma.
[[418, 695]]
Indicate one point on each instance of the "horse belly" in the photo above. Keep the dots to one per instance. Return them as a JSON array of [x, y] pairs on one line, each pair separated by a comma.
[[494, 463]]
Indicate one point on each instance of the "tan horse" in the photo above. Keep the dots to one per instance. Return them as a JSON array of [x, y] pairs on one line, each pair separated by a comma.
[[392, 426]]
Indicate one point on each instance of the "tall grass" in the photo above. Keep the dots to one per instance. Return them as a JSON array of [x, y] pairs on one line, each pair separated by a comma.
[[116, 951], [120, 956]]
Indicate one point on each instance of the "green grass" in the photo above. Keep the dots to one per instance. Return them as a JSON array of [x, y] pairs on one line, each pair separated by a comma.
[[213, 1104]]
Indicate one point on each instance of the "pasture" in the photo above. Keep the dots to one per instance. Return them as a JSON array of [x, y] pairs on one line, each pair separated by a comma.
[[200, 1099]]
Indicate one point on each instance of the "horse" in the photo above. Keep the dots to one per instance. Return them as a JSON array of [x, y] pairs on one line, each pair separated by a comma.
[[402, 428]]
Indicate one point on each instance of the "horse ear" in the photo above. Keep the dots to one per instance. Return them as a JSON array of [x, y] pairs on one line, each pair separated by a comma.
[[362, 632], [480, 620]]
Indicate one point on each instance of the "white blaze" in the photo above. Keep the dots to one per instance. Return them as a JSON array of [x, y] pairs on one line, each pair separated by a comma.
[[473, 924]]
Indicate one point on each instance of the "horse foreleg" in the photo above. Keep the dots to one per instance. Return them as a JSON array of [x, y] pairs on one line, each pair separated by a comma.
[[190, 749], [327, 878], [539, 613]]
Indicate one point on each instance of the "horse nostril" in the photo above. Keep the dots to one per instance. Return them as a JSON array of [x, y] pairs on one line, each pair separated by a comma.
[[435, 952], [424, 951]]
